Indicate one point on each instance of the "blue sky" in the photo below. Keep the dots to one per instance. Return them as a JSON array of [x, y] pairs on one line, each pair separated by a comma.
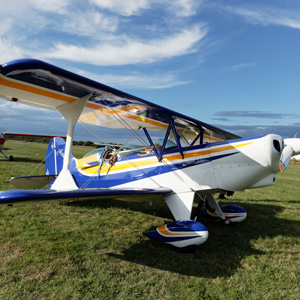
[[233, 63]]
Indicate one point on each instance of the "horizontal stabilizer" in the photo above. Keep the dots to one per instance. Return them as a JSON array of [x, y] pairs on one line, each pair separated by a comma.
[[32, 182], [20, 196]]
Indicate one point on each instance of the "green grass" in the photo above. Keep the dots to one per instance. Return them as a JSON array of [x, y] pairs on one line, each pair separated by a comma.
[[97, 249]]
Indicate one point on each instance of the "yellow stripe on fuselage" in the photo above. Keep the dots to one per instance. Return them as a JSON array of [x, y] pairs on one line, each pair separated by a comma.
[[144, 161]]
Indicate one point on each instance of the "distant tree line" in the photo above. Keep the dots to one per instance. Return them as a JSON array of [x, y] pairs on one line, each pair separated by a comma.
[[82, 143], [46, 140], [92, 144]]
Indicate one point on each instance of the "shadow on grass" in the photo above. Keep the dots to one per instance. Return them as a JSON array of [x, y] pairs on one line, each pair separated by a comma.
[[158, 208], [26, 160], [17, 159], [221, 255]]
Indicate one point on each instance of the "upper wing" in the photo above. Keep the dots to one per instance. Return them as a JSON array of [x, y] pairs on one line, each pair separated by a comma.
[[40, 84]]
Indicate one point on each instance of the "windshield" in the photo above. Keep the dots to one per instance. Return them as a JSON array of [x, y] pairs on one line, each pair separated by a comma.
[[95, 151], [160, 141], [128, 147]]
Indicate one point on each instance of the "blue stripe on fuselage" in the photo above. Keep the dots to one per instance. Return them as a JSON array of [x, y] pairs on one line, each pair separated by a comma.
[[137, 174]]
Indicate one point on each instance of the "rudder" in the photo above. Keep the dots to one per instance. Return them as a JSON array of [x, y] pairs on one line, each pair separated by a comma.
[[55, 156]]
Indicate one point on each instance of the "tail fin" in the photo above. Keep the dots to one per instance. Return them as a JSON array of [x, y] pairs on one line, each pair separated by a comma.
[[55, 156]]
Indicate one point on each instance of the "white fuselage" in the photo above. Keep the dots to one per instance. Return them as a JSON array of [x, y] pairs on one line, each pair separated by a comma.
[[231, 166]]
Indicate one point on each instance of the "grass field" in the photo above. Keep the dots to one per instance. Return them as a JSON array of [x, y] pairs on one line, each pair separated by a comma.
[[97, 249]]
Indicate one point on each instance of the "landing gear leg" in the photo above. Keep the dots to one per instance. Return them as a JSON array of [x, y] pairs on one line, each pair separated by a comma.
[[209, 209], [212, 202], [209, 202], [10, 158]]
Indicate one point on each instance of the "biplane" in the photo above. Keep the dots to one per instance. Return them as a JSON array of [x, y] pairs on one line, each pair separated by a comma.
[[189, 163], [29, 138]]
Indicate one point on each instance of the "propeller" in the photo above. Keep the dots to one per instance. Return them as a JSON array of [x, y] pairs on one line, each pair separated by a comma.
[[285, 157], [291, 148]]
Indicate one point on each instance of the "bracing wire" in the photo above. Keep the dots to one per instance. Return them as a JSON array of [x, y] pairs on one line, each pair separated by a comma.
[[164, 162], [126, 125], [40, 163], [97, 136]]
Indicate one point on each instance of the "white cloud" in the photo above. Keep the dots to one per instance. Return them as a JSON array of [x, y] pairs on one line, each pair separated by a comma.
[[143, 82], [125, 8], [15, 108], [9, 51], [237, 67], [267, 15], [89, 23], [136, 80], [131, 51], [184, 8], [17, 117], [20, 19], [55, 6], [6, 26]]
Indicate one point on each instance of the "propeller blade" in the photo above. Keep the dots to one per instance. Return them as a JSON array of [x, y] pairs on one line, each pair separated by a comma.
[[294, 143], [285, 158]]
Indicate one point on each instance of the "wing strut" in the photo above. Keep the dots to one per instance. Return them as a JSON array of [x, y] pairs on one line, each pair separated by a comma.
[[151, 142], [71, 112], [177, 139], [200, 135]]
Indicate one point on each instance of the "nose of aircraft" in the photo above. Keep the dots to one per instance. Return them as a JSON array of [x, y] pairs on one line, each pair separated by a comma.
[[274, 147], [291, 147], [280, 151]]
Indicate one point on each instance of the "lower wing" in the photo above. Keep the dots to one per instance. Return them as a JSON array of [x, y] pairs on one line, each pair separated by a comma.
[[49, 195]]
